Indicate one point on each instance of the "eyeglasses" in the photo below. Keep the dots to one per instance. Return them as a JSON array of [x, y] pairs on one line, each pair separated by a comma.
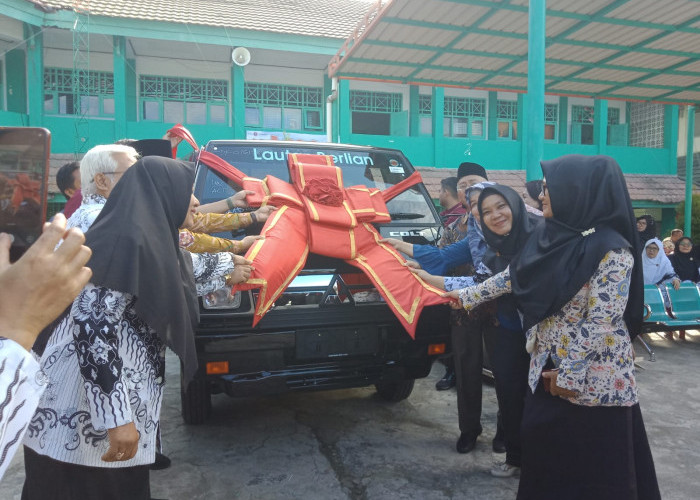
[[685, 244], [544, 191], [107, 173]]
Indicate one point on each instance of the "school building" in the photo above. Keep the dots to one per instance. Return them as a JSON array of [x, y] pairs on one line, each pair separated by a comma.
[[446, 81]]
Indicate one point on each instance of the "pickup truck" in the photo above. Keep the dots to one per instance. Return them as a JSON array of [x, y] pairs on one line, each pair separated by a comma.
[[329, 329]]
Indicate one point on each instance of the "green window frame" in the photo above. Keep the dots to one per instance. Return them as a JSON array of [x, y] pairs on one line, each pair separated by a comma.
[[551, 121], [2, 83], [425, 114], [295, 108], [200, 101], [582, 118], [507, 120], [92, 94], [464, 117], [378, 113]]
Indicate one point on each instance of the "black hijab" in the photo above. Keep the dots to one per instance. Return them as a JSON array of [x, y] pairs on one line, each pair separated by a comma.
[[135, 249], [685, 264], [592, 215], [501, 249], [649, 232]]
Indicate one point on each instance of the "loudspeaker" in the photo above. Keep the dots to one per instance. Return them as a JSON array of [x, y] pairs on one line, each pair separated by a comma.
[[240, 56]]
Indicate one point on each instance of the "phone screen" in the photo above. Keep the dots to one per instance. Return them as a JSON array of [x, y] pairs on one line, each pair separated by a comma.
[[24, 167]]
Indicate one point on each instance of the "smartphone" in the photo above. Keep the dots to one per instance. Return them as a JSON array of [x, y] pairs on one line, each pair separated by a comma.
[[24, 173]]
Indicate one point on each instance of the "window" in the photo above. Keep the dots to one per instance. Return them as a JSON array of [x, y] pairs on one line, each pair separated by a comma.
[[582, 124], [377, 113], [197, 101], [551, 117], [2, 84], [425, 113], [91, 93], [582, 118], [284, 107], [464, 117], [507, 119]]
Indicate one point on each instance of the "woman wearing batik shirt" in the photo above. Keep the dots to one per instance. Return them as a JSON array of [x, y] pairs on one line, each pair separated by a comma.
[[578, 283], [96, 427]]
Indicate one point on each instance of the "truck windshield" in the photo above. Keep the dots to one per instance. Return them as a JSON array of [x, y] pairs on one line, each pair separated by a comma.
[[371, 168]]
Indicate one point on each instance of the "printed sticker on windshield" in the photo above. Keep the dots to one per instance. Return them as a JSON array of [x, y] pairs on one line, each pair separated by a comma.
[[396, 170]]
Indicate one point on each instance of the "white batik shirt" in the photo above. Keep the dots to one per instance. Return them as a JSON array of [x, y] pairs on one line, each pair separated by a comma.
[[106, 368]]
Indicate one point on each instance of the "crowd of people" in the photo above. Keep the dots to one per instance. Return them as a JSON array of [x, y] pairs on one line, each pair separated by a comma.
[[549, 280]]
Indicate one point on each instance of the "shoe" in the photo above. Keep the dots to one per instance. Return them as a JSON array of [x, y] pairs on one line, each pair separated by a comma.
[[447, 382], [498, 445], [162, 462], [502, 469], [466, 443]]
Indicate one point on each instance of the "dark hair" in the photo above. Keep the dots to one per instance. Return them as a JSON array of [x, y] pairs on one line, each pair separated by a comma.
[[450, 184], [126, 142], [64, 177], [534, 188]]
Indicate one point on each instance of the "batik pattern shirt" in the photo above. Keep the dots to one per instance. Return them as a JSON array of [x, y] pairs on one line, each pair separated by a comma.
[[196, 239], [87, 212], [106, 368], [587, 339], [21, 386]]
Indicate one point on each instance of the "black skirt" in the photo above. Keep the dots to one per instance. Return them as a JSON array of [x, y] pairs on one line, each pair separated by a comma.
[[583, 452], [49, 479]]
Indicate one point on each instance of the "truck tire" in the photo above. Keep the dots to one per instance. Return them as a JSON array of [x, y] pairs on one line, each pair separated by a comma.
[[395, 390], [195, 400]]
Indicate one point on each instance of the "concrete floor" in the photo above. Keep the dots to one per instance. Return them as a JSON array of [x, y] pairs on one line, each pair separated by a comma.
[[349, 444]]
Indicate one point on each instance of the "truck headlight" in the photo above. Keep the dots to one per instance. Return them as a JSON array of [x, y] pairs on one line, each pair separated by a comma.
[[222, 299]]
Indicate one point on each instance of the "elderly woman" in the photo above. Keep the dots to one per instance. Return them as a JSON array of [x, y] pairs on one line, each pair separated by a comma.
[[578, 283], [684, 261], [657, 267], [97, 425]]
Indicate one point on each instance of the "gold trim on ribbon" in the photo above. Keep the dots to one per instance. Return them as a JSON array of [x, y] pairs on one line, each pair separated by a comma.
[[290, 277]]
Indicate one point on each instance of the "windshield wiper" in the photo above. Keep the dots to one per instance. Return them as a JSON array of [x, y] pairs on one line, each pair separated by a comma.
[[405, 216]]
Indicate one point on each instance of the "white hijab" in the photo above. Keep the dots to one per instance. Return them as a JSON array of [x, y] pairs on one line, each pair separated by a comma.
[[657, 268]]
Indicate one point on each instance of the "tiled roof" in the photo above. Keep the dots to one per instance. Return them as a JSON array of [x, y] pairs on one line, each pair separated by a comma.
[[323, 18], [666, 189]]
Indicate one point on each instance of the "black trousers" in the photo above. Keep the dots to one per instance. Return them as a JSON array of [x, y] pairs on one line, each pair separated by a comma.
[[511, 364], [467, 355], [49, 479]]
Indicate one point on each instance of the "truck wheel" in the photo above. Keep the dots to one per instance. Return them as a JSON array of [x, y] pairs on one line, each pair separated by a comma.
[[195, 400], [395, 390]]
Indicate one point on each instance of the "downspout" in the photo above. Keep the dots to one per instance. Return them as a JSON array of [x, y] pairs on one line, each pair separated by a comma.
[[329, 109]]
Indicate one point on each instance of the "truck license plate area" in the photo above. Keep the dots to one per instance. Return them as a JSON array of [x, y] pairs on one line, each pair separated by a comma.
[[336, 343]]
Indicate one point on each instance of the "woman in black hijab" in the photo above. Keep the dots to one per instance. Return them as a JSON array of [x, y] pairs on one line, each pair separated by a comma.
[[684, 261], [97, 425], [510, 360], [646, 226], [578, 281]]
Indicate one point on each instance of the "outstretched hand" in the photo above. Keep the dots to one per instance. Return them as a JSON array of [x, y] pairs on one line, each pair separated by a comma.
[[248, 241], [455, 303], [263, 213], [43, 282], [239, 200]]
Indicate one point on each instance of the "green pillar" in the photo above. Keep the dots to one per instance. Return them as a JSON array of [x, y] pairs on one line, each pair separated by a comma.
[[344, 111], [238, 101], [563, 120], [16, 79], [690, 137], [35, 75], [413, 111], [132, 107], [600, 125], [120, 106], [492, 131], [438, 125], [671, 137], [533, 142]]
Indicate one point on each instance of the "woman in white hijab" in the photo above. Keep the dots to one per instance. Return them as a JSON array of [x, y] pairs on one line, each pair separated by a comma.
[[657, 268]]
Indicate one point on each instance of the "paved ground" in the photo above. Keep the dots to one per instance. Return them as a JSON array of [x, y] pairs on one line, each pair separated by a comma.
[[351, 445]]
